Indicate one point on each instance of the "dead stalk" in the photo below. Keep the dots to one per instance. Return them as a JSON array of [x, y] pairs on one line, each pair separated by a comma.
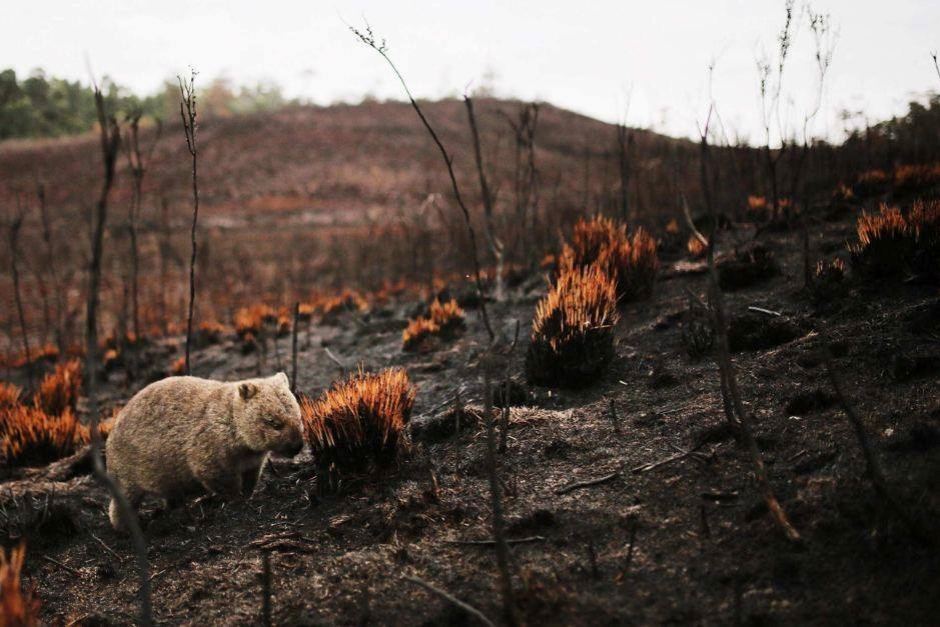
[[293, 349], [873, 465], [496, 503], [368, 38], [489, 226], [110, 142], [737, 417], [16, 223], [188, 115], [136, 163], [469, 609]]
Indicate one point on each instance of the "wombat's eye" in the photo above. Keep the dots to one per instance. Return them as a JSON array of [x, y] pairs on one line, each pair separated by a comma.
[[277, 425]]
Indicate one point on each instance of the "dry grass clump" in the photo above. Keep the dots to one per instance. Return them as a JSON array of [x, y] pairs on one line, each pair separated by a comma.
[[305, 312], [9, 395], [748, 266], [18, 607], [698, 332], [37, 433], [696, 248], [891, 244], [333, 306], [359, 421], [209, 333], [871, 183], [828, 281], [251, 320], [757, 207], [178, 367], [48, 353], [904, 180], [58, 390], [31, 437], [572, 333], [443, 321], [631, 260], [916, 179]]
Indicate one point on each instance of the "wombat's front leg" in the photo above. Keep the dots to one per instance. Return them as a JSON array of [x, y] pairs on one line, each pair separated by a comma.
[[250, 480], [223, 482]]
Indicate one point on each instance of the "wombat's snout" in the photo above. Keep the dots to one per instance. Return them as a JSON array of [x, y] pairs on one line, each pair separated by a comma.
[[293, 448]]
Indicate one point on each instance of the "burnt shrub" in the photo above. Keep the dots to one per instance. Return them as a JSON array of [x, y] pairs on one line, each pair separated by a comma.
[[748, 266], [444, 321], [829, 282], [630, 259], [572, 338], [698, 334], [809, 401], [751, 331], [359, 422], [891, 244]]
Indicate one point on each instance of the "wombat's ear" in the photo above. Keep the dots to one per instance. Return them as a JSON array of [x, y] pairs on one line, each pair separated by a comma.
[[247, 390], [281, 377]]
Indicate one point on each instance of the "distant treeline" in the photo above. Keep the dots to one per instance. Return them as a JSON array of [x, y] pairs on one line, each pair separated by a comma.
[[46, 106]]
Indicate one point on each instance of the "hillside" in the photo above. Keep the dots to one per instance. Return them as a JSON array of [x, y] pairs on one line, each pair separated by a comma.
[[371, 156], [305, 192]]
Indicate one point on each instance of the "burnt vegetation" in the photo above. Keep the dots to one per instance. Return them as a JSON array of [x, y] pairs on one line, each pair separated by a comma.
[[663, 366]]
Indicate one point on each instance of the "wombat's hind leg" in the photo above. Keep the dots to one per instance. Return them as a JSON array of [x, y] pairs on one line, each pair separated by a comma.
[[114, 511]]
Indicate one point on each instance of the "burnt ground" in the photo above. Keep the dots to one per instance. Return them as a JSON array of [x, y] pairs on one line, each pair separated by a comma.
[[688, 541]]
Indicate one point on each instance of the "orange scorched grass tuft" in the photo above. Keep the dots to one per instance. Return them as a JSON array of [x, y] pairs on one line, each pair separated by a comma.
[[178, 367], [632, 261], [891, 244], [572, 333], [31, 437], [18, 608], [251, 319], [443, 321], [9, 395], [696, 248], [59, 390], [359, 421]]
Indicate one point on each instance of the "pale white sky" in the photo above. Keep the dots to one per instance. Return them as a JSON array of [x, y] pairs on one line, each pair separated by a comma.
[[585, 56]]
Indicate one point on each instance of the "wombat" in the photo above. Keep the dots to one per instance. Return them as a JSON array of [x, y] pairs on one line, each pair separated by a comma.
[[181, 435]]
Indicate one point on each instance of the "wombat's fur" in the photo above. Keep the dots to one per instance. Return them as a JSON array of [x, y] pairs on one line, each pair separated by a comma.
[[183, 434]]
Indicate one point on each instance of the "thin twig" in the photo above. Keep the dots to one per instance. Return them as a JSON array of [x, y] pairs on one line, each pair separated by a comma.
[[586, 484], [106, 547], [469, 609], [266, 589], [735, 414], [875, 471], [663, 462], [334, 358], [110, 141], [77, 573], [496, 501], [525, 540], [188, 116], [293, 357], [768, 312], [368, 38]]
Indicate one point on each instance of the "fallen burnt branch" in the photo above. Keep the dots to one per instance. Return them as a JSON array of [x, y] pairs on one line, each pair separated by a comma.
[[875, 471], [738, 419], [525, 540], [587, 484], [668, 460], [469, 609]]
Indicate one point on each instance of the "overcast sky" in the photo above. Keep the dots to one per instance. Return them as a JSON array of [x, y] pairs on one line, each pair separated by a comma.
[[587, 56]]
